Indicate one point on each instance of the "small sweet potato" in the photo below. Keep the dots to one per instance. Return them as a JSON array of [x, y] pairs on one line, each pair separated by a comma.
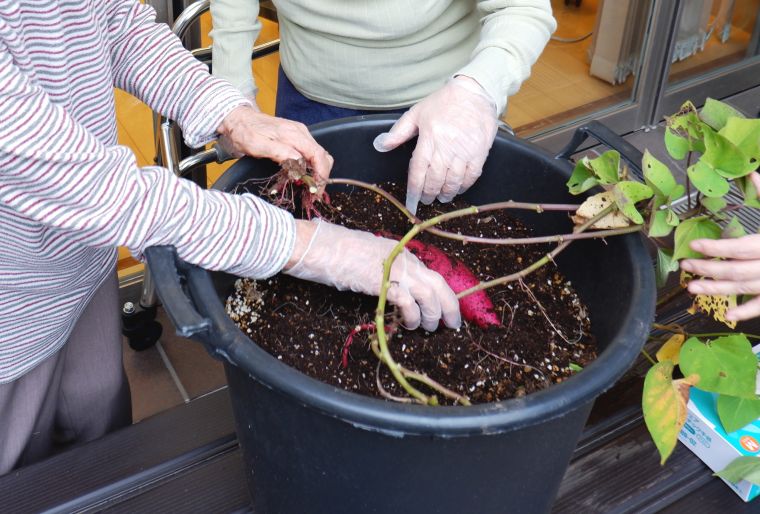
[[477, 307]]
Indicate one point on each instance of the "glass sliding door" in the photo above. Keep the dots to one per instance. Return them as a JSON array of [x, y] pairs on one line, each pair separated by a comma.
[[715, 53], [591, 65]]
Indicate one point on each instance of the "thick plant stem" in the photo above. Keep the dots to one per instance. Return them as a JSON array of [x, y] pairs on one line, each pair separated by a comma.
[[535, 207]]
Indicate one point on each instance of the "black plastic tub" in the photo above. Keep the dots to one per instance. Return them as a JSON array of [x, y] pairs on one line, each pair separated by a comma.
[[310, 448]]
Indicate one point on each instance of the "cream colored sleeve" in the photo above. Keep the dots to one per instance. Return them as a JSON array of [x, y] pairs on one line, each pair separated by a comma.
[[513, 35], [236, 26]]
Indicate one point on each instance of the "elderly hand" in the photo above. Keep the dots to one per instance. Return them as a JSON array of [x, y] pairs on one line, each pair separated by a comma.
[[350, 259], [740, 274], [246, 131], [456, 126]]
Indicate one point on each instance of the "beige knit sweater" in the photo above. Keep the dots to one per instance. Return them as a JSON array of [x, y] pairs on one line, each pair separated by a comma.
[[386, 54]]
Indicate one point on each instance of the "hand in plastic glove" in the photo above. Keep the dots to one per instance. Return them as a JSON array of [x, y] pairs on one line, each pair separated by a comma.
[[246, 131], [740, 274], [456, 127], [350, 259]]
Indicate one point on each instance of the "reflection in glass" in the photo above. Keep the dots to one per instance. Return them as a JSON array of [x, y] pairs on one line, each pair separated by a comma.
[[713, 34], [590, 64]]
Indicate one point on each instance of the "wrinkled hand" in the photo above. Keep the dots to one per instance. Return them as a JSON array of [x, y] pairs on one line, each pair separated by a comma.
[[245, 131], [739, 274], [456, 127], [353, 260]]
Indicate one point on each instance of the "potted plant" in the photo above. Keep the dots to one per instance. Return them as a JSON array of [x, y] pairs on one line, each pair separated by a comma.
[[314, 447]]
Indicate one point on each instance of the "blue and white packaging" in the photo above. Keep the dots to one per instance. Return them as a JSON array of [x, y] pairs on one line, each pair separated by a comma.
[[704, 435]]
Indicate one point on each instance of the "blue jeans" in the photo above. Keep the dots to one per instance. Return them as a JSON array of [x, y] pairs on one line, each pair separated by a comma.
[[291, 104]]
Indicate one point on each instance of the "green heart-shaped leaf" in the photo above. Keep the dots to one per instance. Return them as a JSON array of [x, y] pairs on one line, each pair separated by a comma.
[[725, 365], [665, 265], [582, 178], [664, 404], [676, 145], [707, 180], [627, 194], [672, 218], [688, 230], [606, 167], [748, 191], [725, 157], [677, 192], [746, 468], [658, 224], [745, 135], [716, 113], [736, 413], [657, 175], [713, 205]]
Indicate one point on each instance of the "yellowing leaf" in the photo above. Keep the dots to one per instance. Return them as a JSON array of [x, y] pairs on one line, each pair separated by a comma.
[[671, 349], [715, 305], [596, 204], [664, 405]]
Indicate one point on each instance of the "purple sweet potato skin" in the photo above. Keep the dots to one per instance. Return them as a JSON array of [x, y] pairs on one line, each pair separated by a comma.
[[477, 307]]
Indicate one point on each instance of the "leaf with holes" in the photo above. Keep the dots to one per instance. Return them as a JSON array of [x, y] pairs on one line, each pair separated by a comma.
[[664, 404], [700, 227], [736, 413], [725, 157], [686, 124], [746, 468], [707, 180], [716, 113], [665, 265], [670, 349], [716, 305], [627, 194], [725, 365], [745, 134], [582, 178], [606, 167]]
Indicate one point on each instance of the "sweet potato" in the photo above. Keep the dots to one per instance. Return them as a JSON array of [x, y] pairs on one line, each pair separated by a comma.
[[477, 307]]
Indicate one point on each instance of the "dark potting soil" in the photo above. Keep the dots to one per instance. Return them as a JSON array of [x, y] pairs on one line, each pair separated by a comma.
[[545, 334]]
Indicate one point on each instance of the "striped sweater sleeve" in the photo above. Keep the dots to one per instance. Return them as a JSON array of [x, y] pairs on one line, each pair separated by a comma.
[[149, 61], [54, 171]]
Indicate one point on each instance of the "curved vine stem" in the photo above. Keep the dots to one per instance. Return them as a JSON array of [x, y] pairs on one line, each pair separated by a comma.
[[382, 349], [535, 207], [380, 341]]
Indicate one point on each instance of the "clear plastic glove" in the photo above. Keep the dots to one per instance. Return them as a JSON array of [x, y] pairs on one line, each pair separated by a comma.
[[456, 127], [738, 273], [353, 260]]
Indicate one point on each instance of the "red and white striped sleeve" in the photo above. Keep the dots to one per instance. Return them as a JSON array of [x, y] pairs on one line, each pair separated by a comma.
[[149, 61], [54, 171]]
